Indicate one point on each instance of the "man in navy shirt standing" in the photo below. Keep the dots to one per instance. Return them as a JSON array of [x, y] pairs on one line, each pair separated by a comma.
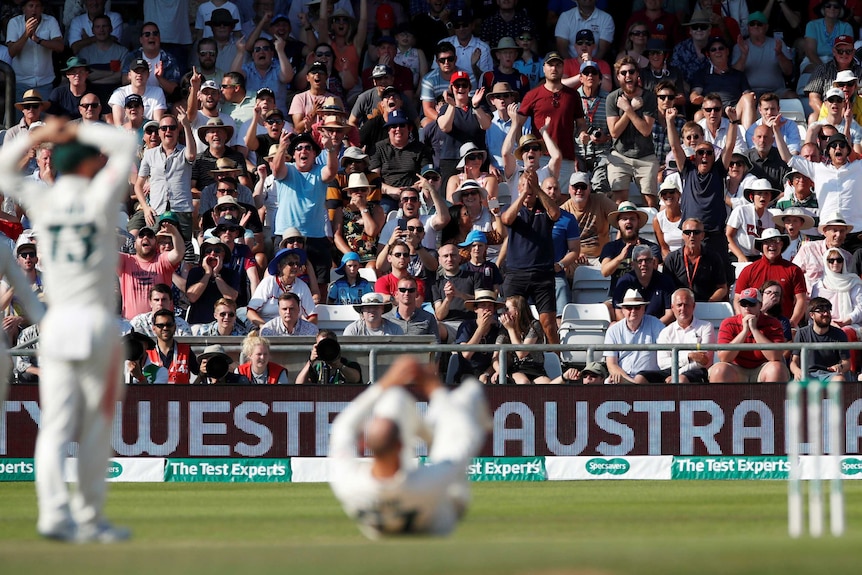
[[530, 261]]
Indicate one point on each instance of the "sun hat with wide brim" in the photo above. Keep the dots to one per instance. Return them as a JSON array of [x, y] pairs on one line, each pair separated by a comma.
[[226, 166], [833, 219], [772, 234], [468, 185], [507, 43], [374, 299], [627, 208], [527, 140], [466, 150], [633, 298], [501, 89], [272, 268], [357, 181], [215, 124], [795, 212], [32, 97], [214, 350], [484, 296], [760, 185]]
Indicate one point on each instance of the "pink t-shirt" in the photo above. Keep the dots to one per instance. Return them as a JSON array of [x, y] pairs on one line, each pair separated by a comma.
[[137, 277]]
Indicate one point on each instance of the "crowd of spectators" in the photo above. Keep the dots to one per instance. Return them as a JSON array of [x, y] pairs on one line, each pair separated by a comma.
[[444, 166]]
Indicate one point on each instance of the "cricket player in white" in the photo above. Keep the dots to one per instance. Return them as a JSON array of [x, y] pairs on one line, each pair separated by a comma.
[[80, 348], [389, 494]]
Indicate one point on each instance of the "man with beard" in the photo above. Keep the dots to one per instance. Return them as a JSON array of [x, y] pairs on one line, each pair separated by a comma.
[[301, 190], [616, 256], [140, 272], [823, 364], [592, 211], [703, 183], [631, 114], [203, 105]]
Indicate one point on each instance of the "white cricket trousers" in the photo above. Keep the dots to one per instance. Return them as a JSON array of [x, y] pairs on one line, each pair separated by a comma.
[[77, 399]]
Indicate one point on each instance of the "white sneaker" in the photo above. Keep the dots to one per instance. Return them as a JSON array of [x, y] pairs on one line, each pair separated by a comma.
[[102, 532]]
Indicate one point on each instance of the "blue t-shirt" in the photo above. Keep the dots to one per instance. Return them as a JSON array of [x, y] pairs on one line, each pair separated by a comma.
[[301, 202], [342, 293], [565, 229]]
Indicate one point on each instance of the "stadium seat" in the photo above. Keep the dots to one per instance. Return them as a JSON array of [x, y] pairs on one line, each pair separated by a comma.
[[792, 109], [589, 285], [369, 274], [553, 367], [589, 316], [335, 317], [713, 311], [582, 339], [392, 215]]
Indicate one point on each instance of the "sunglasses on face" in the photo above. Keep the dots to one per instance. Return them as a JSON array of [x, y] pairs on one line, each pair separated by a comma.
[[90, 105], [823, 137], [207, 53], [459, 25], [835, 260], [712, 110], [150, 33], [531, 148], [638, 33], [462, 85], [273, 121], [27, 255], [151, 131], [525, 38], [700, 27], [692, 136], [590, 72], [446, 60], [415, 229], [228, 86], [295, 240], [303, 147], [581, 187], [225, 190], [746, 303], [692, 232], [323, 54], [666, 96], [838, 145], [261, 49], [400, 254], [470, 193], [843, 52], [31, 106], [293, 264], [737, 164], [410, 199], [474, 157], [844, 84], [756, 24], [407, 290], [168, 127], [628, 72], [227, 314], [212, 251], [704, 152]]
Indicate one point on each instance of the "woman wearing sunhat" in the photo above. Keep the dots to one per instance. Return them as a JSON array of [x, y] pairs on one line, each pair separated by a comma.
[[470, 168], [357, 225]]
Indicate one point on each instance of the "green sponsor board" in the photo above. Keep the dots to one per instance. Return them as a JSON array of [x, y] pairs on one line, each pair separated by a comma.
[[730, 468], [851, 466], [507, 469], [18, 469], [115, 469], [614, 466], [228, 470]]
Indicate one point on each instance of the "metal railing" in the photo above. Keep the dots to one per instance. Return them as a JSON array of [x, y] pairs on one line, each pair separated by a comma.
[[375, 350]]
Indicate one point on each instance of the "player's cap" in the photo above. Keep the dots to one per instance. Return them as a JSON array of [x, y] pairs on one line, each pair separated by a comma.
[[596, 368], [474, 237], [381, 71], [750, 295]]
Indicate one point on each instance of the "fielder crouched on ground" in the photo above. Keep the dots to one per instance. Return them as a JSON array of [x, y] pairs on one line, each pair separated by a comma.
[[389, 494], [80, 349]]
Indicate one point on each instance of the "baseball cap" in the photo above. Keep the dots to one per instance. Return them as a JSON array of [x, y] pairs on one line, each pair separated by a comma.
[[585, 34], [758, 17], [843, 39], [279, 17], [587, 65], [579, 178], [381, 70], [385, 39], [751, 295], [209, 85], [459, 75], [388, 90], [140, 63], [396, 118], [553, 56], [264, 93], [596, 368], [833, 92], [429, 169], [134, 100], [462, 15], [318, 66]]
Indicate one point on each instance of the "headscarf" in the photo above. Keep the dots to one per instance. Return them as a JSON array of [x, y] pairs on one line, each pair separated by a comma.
[[840, 283]]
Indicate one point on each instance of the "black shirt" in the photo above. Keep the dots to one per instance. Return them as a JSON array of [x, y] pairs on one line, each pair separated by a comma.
[[702, 276]]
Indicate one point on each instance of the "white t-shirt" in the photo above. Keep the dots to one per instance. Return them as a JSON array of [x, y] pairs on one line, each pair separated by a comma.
[[748, 227], [34, 65], [154, 99]]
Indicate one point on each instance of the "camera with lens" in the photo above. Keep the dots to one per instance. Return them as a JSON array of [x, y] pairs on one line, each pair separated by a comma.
[[328, 350], [595, 131]]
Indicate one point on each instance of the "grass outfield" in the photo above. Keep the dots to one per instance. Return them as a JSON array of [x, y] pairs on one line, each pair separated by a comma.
[[553, 528]]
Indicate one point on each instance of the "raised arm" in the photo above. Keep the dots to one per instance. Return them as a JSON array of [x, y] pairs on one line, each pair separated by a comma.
[[277, 165], [780, 142], [673, 138]]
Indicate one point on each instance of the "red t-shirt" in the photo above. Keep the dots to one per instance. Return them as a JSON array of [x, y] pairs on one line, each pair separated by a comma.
[[563, 107], [732, 326], [388, 284], [787, 274], [572, 67], [665, 27]]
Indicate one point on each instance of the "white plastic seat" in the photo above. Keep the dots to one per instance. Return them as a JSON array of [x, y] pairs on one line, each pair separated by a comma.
[[713, 311], [592, 316], [368, 273], [335, 317], [582, 338], [792, 109], [589, 285]]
